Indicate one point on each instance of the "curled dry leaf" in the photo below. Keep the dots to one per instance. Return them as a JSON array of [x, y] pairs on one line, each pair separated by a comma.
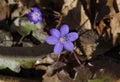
[[40, 63], [51, 69], [41, 67], [20, 11]]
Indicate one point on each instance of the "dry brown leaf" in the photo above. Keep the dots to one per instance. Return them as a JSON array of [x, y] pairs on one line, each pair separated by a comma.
[[115, 27], [82, 74], [118, 4], [41, 67], [64, 76], [118, 80], [75, 15], [103, 29], [104, 8], [110, 30], [88, 42], [68, 5], [53, 78], [85, 22], [51, 69], [4, 10]]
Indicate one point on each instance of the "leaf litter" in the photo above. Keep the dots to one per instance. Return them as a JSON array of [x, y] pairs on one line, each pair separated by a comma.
[[97, 48]]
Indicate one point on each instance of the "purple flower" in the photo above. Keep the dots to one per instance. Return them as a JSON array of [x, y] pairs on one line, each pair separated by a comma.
[[62, 39], [35, 15]]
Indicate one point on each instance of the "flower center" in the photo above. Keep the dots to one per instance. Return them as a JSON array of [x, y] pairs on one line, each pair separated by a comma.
[[62, 39], [35, 15]]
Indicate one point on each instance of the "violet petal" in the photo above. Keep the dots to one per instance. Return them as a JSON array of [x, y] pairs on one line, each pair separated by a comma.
[[58, 48], [72, 36], [31, 20], [36, 21], [68, 45], [52, 40], [55, 32], [64, 30], [30, 14], [35, 9], [40, 18]]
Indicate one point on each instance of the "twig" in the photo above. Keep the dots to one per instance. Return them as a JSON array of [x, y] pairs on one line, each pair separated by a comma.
[[76, 58]]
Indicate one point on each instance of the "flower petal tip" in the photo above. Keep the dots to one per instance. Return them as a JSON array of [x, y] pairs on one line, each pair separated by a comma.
[[64, 29], [55, 32]]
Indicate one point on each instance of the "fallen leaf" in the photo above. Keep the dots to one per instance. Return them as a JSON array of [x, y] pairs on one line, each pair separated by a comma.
[[6, 39], [115, 27], [4, 10], [52, 68], [53, 78], [83, 74], [64, 76], [68, 5], [88, 42]]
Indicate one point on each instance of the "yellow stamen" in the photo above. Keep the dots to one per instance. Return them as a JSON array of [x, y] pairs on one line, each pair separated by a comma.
[[35, 15], [62, 39]]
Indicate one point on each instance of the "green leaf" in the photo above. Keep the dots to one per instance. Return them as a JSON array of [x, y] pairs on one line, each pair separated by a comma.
[[26, 63], [26, 27]]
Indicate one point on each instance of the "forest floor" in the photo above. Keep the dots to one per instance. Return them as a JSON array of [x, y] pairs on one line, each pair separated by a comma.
[[25, 55]]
